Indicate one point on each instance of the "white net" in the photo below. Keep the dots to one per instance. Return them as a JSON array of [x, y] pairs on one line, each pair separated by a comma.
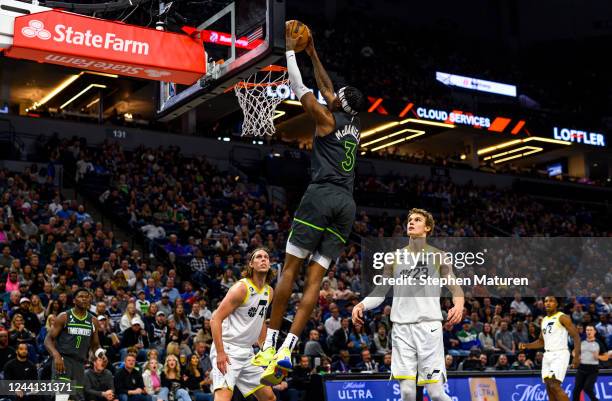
[[258, 99]]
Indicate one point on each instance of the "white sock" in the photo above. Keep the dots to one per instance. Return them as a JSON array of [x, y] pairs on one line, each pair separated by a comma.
[[271, 337], [290, 342]]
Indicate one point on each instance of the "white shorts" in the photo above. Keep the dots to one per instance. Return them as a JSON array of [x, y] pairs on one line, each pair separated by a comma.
[[555, 364], [418, 348], [240, 373]]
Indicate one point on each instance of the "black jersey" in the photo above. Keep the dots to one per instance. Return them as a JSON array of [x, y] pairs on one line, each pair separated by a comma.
[[334, 155], [75, 338]]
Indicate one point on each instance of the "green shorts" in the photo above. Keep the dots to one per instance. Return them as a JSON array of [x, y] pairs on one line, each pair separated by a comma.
[[323, 221]]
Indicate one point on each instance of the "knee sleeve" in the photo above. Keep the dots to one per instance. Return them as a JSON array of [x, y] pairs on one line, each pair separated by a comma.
[[408, 390], [436, 392], [296, 251]]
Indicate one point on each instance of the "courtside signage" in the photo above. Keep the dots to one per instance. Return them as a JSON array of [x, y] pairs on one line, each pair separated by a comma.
[[578, 136], [78, 41]]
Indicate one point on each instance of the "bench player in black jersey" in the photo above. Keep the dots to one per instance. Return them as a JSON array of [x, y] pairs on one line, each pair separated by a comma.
[[325, 216], [72, 336]]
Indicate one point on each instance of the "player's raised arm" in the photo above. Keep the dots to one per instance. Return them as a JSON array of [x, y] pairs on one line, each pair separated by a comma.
[[374, 299], [234, 298], [56, 329], [323, 118], [571, 329], [324, 83], [456, 312]]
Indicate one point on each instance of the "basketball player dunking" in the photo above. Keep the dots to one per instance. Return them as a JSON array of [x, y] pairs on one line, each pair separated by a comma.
[[326, 212], [418, 346], [237, 324], [73, 335], [555, 329]]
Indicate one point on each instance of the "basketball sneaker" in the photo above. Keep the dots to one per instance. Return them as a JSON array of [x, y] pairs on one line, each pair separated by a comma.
[[263, 358], [278, 369]]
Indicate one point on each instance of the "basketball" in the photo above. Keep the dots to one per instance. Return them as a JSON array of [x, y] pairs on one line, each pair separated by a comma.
[[296, 29]]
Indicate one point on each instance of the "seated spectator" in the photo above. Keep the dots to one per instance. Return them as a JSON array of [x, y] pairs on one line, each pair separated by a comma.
[[173, 246], [171, 379], [129, 385], [136, 336], [313, 347], [486, 339], [504, 339], [522, 363], [520, 333], [300, 379], [537, 363], [152, 381], [385, 367], [198, 381], [333, 323], [19, 369], [472, 363], [6, 351], [341, 336], [502, 363], [358, 339], [30, 319], [342, 293], [130, 313], [142, 304], [109, 341], [449, 363], [484, 362], [468, 337], [451, 343], [381, 342], [519, 305], [366, 364], [99, 385], [342, 365]]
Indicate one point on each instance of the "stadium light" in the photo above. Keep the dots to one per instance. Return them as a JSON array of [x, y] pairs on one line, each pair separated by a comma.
[[57, 90], [380, 128], [398, 141], [96, 100], [392, 135], [549, 140], [278, 113], [495, 156], [426, 122], [500, 146], [293, 102], [75, 97], [505, 159]]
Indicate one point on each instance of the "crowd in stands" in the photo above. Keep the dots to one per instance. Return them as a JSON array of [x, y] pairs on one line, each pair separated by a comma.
[[154, 305]]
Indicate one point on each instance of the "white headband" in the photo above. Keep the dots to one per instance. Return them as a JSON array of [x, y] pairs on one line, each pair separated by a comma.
[[345, 106]]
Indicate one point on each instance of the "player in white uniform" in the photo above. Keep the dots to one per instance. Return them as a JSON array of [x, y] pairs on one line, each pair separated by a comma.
[[555, 329], [418, 347], [238, 324]]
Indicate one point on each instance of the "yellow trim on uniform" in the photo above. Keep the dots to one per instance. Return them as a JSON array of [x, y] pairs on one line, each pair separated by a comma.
[[404, 377], [426, 382], [253, 391], [259, 290], [269, 293], [246, 297]]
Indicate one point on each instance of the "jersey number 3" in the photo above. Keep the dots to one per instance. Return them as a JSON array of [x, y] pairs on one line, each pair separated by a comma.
[[349, 161]]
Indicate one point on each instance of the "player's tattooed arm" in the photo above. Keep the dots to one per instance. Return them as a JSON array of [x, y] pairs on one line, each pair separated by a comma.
[[324, 83], [50, 345], [571, 329], [456, 312]]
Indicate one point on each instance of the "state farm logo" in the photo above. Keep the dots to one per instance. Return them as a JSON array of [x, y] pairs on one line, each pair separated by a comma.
[[214, 37], [156, 73], [72, 36], [36, 28]]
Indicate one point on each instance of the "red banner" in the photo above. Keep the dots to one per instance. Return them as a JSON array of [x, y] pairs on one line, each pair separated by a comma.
[[87, 43], [225, 39]]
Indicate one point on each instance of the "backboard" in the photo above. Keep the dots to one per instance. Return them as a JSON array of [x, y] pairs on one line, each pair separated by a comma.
[[240, 37]]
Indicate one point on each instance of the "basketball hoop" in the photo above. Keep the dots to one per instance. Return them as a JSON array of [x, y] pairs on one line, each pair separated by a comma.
[[258, 99]]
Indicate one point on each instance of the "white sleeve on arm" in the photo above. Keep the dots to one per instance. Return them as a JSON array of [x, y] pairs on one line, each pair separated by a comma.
[[295, 78], [370, 303]]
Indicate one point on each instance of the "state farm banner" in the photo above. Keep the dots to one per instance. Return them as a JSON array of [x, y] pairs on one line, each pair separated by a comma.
[[73, 40]]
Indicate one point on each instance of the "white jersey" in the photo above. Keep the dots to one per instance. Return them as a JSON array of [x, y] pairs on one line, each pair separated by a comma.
[[417, 302], [243, 326], [554, 333]]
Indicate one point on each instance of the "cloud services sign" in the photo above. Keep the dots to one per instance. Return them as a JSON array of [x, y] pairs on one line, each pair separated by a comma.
[[578, 136], [87, 43]]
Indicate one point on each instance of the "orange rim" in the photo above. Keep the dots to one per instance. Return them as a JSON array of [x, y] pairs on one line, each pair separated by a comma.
[[270, 68]]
